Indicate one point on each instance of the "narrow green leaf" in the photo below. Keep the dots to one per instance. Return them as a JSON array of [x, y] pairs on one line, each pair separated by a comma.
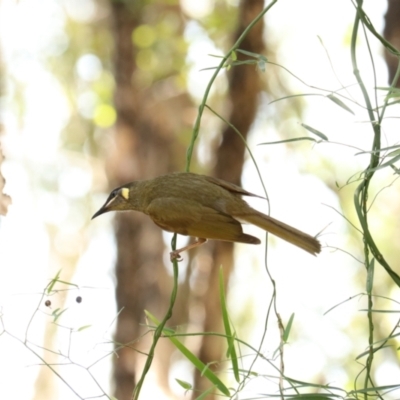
[[386, 164], [313, 396], [53, 281], [393, 153], [185, 385], [206, 372], [365, 353], [340, 103], [82, 328], [276, 352], [67, 283], [286, 333], [289, 140], [294, 96], [303, 384], [392, 92], [376, 389], [315, 132], [215, 55], [389, 88], [244, 62], [57, 314], [209, 68], [381, 149], [251, 54], [206, 393], [225, 318]]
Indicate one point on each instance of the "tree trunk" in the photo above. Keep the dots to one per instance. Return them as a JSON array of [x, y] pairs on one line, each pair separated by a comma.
[[392, 35], [144, 146]]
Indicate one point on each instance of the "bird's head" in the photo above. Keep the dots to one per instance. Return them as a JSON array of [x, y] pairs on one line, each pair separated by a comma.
[[118, 200]]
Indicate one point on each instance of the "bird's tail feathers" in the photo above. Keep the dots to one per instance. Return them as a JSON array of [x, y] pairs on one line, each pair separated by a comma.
[[283, 231]]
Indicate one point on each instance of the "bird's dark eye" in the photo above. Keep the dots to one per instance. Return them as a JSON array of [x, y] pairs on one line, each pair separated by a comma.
[[115, 193]]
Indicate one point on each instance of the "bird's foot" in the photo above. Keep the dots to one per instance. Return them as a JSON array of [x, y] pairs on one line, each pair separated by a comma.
[[175, 256]]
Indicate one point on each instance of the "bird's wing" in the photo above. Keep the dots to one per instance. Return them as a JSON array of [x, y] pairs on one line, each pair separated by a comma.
[[230, 187], [174, 214], [193, 219]]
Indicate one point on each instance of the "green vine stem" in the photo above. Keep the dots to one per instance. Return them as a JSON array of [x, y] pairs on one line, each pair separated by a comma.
[[361, 193], [221, 65], [159, 330]]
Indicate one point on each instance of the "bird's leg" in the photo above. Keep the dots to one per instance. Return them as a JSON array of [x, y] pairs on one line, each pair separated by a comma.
[[175, 255]]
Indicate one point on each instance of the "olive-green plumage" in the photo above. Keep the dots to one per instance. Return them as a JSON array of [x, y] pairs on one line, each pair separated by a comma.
[[202, 207]]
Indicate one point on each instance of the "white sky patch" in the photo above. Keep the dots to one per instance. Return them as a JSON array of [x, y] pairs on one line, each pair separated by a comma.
[[199, 56], [89, 67], [197, 9]]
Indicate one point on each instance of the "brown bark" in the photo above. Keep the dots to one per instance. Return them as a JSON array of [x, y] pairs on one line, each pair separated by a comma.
[[392, 35], [244, 88], [144, 146]]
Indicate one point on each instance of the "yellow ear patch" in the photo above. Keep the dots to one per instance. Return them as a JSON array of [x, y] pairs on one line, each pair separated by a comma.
[[125, 193]]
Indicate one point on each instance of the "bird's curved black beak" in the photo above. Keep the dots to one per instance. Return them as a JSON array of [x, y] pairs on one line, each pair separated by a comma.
[[105, 208], [101, 211], [112, 203]]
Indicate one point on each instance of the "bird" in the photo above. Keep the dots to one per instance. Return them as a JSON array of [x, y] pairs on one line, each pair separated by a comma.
[[203, 207]]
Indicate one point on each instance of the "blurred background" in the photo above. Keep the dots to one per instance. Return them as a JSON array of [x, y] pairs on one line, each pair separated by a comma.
[[97, 93]]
